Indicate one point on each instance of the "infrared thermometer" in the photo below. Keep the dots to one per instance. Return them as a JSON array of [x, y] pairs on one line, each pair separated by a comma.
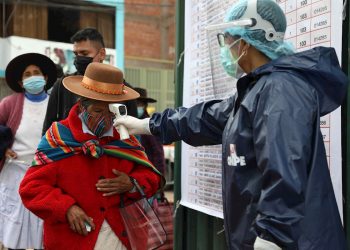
[[120, 110]]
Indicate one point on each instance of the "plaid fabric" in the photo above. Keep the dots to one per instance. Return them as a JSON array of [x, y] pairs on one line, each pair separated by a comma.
[[58, 143]]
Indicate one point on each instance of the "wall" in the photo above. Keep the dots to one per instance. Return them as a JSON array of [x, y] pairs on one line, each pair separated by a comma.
[[28, 21], [158, 82], [150, 29], [149, 35], [103, 22], [57, 21]]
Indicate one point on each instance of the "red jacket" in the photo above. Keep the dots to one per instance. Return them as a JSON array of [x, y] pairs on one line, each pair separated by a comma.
[[49, 190]]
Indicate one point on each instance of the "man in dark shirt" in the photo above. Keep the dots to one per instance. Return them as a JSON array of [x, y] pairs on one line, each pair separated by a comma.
[[88, 46]]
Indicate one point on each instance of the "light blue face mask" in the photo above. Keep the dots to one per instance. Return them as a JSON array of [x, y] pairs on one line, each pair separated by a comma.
[[140, 112], [34, 84], [229, 62]]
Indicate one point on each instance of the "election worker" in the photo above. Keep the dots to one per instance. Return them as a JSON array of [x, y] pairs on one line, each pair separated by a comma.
[[276, 186]]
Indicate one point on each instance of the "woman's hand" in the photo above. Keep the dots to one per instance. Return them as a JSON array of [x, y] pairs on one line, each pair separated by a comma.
[[77, 218], [10, 154], [117, 185]]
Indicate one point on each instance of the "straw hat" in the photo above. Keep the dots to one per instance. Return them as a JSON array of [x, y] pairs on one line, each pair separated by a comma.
[[17, 65], [143, 95], [100, 82]]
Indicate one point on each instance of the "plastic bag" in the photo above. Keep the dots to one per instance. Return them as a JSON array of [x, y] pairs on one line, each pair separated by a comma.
[[142, 225], [165, 213]]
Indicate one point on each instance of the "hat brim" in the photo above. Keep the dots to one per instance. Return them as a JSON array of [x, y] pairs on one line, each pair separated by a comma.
[[146, 99], [16, 66], [73, 84]]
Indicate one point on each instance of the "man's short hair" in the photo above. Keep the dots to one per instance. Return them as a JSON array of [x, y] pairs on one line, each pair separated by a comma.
[[88, 34]]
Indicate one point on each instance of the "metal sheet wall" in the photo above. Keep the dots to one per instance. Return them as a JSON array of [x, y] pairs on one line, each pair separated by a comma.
[[158, 82]]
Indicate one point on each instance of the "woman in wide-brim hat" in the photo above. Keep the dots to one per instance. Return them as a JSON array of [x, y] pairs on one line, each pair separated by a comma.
[[29, 76], [17, 66], [82, 168]]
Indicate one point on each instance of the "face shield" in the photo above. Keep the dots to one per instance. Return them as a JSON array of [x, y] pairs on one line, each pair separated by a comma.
[[223, 43], [223, 53]]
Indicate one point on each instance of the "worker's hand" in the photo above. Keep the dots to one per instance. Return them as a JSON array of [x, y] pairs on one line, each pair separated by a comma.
[[261, 244], [10, 154], [118, 185], [77, 218], [133, 125]]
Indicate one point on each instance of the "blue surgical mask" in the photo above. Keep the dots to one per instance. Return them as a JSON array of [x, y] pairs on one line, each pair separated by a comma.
[[229, 62], [34, 84], [140, 112]]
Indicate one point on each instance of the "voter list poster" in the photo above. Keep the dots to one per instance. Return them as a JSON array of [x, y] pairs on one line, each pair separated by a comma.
[[310, 23]]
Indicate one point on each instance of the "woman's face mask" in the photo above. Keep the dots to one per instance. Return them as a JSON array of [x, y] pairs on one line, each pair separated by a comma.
[[97, 118], [98, 125], [140, 111], [34, 84], [230, 61]]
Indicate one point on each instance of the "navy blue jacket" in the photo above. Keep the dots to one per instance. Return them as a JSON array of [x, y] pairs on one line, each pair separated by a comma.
[[275, 177]]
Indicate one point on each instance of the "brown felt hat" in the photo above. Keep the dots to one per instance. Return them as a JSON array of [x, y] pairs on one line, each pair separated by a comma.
[[100, 82], [17, 65], [143, 95]]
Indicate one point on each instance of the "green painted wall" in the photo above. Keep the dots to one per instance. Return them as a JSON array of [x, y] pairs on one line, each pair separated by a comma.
[[158, 82]]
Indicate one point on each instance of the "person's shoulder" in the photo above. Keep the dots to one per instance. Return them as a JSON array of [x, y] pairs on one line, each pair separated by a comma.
[[286, 80], [60, 79], [12, 98], [58, 86], [61, 123], [287, 87]]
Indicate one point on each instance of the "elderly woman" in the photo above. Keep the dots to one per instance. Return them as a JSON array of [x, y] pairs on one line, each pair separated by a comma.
[[30, 76], [82, 169]]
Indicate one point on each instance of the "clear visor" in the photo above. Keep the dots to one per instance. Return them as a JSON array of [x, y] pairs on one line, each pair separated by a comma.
[[224, 85]]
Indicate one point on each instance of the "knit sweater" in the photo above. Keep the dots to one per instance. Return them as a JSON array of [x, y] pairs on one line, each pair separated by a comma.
[[50, 190]]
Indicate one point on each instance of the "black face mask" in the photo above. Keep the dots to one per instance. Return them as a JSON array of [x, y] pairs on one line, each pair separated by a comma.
[[81, 62]]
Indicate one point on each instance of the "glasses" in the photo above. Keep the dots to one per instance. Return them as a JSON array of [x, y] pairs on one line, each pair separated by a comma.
[[221, 39]]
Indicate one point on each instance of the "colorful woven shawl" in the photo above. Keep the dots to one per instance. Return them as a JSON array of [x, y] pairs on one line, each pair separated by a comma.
[[59, 143]]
